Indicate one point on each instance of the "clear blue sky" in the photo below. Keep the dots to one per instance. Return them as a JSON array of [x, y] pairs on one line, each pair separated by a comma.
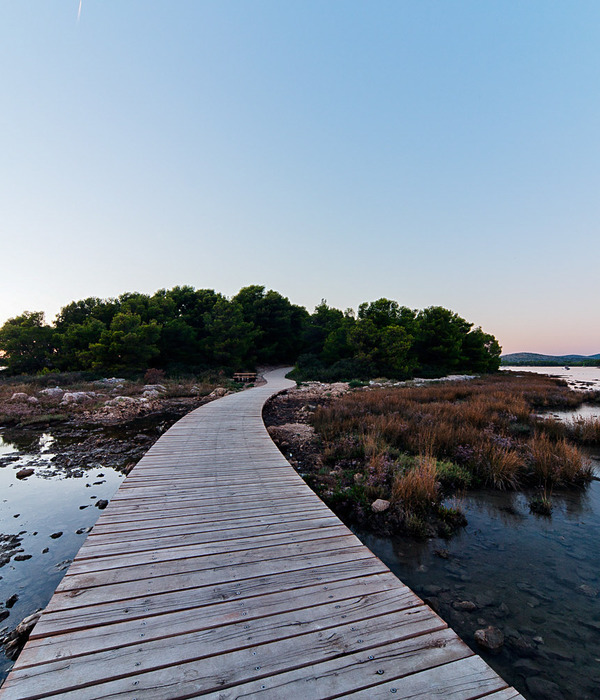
[[433, 152]]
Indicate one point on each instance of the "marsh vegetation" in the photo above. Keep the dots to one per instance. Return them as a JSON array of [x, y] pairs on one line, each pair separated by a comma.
[[414, 449]]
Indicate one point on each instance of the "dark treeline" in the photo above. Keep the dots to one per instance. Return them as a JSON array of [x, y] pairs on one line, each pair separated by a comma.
[[186, 330]]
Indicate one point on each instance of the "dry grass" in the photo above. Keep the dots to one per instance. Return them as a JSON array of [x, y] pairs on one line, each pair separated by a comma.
[[417, 488], [584, 430], [489, 426], [556, 462]]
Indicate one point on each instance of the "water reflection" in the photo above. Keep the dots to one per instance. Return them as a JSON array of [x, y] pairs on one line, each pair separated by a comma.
[[44, 519]]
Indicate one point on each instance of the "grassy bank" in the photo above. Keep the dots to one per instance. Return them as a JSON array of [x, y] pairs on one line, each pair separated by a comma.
[[391, 458]]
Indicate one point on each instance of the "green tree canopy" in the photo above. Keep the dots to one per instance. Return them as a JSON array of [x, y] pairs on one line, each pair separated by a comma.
[[27, 343]]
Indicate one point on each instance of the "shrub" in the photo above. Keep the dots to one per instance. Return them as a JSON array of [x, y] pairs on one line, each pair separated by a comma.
[[154, 376], [452, 475]]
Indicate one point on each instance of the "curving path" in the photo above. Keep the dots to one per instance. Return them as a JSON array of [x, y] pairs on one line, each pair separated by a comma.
[[216, 572]]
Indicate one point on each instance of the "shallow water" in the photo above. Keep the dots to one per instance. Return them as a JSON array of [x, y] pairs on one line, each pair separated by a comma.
[[577, 377], [45, 503], [531, 576]]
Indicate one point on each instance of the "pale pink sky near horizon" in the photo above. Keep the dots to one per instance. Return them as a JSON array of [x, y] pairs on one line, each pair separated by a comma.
[[432, 153]]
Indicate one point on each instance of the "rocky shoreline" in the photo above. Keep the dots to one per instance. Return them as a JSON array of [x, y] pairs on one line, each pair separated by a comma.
[[82, 436]]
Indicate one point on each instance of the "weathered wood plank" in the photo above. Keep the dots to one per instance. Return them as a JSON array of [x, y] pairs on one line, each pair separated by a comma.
[[174, 623], [464, 679], [230, 655], [356, 671], [116, 556], [64, 618], [72, 595]]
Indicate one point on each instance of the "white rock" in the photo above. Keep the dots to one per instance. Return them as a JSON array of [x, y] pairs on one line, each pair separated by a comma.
[[112, 381], [151, 394], [32, 399], [380, 505], [54, 392], [19, 396], [154, 387], [121, 401], [219, 391], [77, 397]]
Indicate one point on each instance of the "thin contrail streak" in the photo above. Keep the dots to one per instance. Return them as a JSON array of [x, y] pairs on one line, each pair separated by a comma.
[[79, 10]]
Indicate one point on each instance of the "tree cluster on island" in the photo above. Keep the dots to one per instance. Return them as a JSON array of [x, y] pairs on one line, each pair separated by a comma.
[[186, 330]]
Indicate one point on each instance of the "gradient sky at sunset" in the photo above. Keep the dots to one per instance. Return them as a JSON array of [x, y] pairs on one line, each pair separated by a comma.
[[433, 152]]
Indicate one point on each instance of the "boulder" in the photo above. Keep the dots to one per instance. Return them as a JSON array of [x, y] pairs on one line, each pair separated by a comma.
[[54, 392], [151, 394], [121, 401], [19, 396], [154, 387], [112, 381], [219, 391], [77, 397], [15, 640], [101, 503], [32, 400], [380, 505], [466, 605], [489, 638]]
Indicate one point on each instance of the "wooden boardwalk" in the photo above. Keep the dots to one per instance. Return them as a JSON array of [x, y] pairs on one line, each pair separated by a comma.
[[216, 572]]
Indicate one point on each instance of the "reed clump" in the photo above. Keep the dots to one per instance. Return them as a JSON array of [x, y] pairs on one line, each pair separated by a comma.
[[417, 488]]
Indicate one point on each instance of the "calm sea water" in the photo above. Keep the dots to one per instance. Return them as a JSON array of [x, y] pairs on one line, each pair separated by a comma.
[[577, 377]]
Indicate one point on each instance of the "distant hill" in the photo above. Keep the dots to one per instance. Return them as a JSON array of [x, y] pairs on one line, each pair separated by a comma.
[[534, 358]]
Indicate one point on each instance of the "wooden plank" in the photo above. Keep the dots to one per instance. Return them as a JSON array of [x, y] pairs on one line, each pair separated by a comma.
[[62, 617], [187, 577], [205, 532], [120, 555], [194, 567], [148, 511], [235, 653], [172, 623], [464, 679], [357, 671], [264, 516]]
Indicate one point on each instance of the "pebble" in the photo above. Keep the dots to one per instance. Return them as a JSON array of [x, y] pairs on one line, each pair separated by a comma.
[[466, 605], [489, 638], [24, 473], [56, 535]]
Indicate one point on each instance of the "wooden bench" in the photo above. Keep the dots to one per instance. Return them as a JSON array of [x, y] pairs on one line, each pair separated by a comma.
[[244, 377]]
